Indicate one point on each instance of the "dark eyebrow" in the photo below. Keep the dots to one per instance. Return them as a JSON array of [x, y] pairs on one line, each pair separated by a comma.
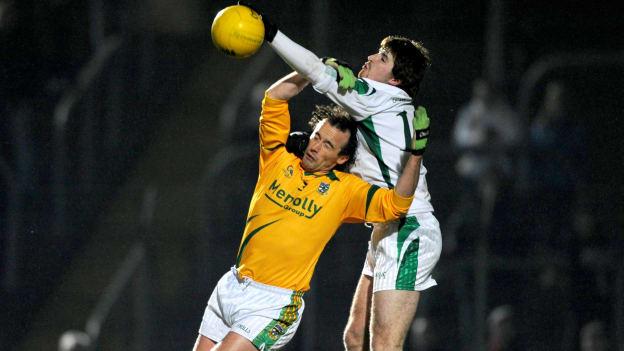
[[326, 140]]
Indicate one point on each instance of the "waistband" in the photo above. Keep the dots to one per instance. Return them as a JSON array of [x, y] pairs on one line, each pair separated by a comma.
[[246, 281]]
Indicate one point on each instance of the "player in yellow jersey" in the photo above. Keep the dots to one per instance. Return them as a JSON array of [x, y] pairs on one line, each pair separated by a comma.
[[297, 206]]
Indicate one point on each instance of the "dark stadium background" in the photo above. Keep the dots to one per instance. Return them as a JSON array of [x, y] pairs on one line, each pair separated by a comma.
[[129, 148]]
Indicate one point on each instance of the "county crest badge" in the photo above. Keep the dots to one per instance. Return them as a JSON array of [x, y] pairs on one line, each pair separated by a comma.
[[288, 171], [323, 188]]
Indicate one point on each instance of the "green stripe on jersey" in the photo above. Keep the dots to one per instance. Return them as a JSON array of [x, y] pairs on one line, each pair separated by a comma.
[[406, 129], [246, 241], [278, 327], [406, 277], [367, 128]]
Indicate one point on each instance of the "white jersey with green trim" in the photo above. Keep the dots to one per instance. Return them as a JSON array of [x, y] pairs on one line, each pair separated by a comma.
[[384, 114]]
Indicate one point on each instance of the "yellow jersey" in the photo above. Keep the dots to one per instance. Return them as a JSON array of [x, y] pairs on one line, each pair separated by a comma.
[[294, 213]]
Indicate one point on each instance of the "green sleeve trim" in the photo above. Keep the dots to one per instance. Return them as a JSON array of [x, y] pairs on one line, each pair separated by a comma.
[[406, 129], [369, 197], [361, 86], [272, 148]]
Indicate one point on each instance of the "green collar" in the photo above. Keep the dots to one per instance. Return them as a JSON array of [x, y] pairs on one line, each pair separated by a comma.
[[331, 175]]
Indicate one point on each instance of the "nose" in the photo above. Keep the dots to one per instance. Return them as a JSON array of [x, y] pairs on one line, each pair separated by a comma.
[[314, 145], [373, 56]]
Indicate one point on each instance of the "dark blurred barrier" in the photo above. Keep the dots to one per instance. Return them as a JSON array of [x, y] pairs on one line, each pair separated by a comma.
[[109, 325], [81, 151], [131, 277], [72, 138]]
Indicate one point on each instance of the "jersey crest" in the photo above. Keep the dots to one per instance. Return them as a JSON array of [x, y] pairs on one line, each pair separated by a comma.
[[323, 188]]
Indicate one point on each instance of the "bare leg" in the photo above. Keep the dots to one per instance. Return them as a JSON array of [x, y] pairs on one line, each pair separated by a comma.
[[235, 342], [356, 333], [391, 318], [203, 344]]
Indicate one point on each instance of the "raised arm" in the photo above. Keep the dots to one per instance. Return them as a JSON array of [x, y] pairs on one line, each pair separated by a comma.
[[298, 58], [407, 182], [287, 87]]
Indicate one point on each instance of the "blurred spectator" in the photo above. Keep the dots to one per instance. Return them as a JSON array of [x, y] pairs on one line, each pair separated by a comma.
[[593, 337], [485, 131], [548, 314], [485, 135], [502, 330], [423, 336], [556, 161]]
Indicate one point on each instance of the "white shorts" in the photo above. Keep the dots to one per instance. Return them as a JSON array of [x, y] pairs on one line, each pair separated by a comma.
[[402, 254], [266, 315]]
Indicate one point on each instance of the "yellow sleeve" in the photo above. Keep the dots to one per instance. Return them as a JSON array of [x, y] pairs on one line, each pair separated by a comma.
[[371, 203], [274, 127]]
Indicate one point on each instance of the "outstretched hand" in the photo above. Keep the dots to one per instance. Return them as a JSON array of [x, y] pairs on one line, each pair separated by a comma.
[[421, 131], [345, 78], [270, 29]]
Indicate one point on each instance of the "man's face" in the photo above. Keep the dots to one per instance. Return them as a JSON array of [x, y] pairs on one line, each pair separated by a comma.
[[379, 67], [326, 141]]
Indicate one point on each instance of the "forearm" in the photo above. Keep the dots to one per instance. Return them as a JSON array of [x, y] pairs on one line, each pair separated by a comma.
[[407, 182], [287, 87], [299, 58]]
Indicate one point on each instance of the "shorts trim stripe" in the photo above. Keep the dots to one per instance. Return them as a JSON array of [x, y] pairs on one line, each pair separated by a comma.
[[278, 327], [406, 279], [408, 266], [406, 227]]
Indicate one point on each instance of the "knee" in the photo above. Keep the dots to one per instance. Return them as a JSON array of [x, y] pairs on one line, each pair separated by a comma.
[[381, 340], [379, 344], [354, 338]]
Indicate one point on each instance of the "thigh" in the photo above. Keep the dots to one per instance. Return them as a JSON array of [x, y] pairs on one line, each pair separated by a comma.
[[391, 316], [235, 342], [203, 344]]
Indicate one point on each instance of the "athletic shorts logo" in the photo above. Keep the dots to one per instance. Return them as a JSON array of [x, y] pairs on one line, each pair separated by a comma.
[[243, 328]]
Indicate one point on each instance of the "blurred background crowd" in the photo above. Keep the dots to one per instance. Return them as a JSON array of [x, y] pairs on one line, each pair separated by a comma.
[[129, 152]]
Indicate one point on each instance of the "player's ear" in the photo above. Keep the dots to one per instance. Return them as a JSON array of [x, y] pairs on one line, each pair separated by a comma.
[[342, 159], [394, 81]]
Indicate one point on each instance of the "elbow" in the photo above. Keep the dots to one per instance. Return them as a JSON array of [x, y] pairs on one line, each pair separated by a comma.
[[400, 213]]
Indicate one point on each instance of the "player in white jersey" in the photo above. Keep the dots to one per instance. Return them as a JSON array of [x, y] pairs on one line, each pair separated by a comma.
[[401, 254]]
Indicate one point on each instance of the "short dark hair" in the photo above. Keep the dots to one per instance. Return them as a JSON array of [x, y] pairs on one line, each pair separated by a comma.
[[411, 60], [337, 117]]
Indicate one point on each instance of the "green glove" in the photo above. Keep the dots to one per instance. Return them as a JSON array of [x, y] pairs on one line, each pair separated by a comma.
[[346, 79], [421, 131]]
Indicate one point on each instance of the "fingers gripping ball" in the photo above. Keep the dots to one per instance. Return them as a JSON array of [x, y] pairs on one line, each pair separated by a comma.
[[237, 31]]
